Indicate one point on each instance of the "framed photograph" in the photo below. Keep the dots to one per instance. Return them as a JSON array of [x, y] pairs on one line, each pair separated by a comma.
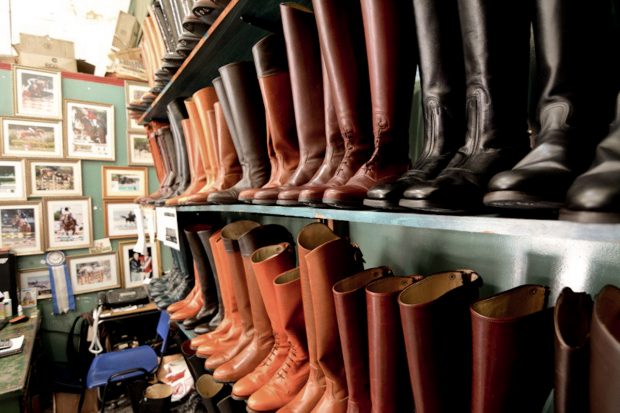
[[120, 219], [31, 138], [28, 297], [94, 272], [139, 150], [124, 182], [136, 267], [38, 93], [21, 228], [52, 178], [37, 278], [69, 223], [12, 180], [89, 130], [133, 92]]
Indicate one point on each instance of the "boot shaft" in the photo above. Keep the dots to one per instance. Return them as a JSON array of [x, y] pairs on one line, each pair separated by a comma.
[[229, 163], [205, 99]]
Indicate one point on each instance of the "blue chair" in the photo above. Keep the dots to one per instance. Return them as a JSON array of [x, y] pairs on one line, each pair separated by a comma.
[[131, 363]]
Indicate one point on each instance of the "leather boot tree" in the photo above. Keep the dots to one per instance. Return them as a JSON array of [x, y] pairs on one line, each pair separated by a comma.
[[572, 318], [262, 341], [437, 329], [350, 302], [293, 373], [572, 49], [275, 83], [245, 110], [268, 263], [443, 98], [594, 197], [211, 392], [512, 341], [388, 26], [605, 352], [342, 46], [496, 50]]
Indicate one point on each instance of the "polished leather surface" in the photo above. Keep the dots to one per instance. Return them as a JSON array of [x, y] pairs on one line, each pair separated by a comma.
[[390, 42], [230, 170], [572, 317], [605, 352], [496, 50], [512, 341], [205, 100], [437, 330], [248, 117], [350, 303]]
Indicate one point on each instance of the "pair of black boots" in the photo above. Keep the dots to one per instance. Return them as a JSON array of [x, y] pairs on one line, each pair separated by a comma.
[[475, 109]]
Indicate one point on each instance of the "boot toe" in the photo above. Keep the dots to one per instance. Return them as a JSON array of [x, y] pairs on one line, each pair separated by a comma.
[[266, 196], [346, 196], [313, 194], [289, 196], [223, 197], [595, 192], [388, 191]]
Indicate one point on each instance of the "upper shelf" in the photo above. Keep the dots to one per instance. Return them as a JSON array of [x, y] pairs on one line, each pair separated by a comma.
[[473, 224], [230, 39]]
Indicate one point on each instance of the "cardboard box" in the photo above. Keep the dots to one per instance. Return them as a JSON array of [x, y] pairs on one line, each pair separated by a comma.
[[45, 52], [126, 32]]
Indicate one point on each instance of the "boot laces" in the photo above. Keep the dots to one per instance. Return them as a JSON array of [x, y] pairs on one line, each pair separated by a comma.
[[288, 363], [272, 355], [348, 148]]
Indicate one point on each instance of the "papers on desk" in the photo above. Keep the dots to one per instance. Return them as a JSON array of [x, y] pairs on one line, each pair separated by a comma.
[[17, 345]]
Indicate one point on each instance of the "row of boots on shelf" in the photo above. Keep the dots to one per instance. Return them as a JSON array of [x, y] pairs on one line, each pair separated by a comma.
[[334, 94], [321, 334]]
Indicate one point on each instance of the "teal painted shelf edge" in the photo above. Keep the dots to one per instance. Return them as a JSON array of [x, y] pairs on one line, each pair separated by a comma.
[[473, 224]]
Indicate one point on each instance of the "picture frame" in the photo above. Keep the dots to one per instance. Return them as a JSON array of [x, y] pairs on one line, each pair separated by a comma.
[[134, 91], [31, 138], [135, 268], [124, 182], [38, 278], [54, 178], [37, 93], [28, 297], [89, 130], [21, 227], [12, 180], [119, 219], [139, 150], [69, 223], [93, 272]]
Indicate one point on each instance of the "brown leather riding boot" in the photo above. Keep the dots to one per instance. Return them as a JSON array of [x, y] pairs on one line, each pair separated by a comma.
[[262, 341], [572, 319], [230, 170], [512, 341], [163, 139], [329, 259], [350, 302], [605, 352], [247, 195], [293, 373], [389, 390], [268, 263], [388, 26], [158, 160], [230, 236], [437, 330]]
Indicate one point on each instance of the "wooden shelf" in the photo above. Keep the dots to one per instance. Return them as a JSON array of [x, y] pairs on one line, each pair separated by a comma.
[[230, 39]]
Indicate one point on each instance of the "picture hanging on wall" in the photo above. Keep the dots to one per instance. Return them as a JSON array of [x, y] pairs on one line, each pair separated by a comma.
[[69, 223], [38, 93], [31, 138], [120, 219], [139, 150], [38, 278], [89, 130], [94, 272], [134, 92], [28, 297], [53, 179], [124, 182], [12, 180], [21, 228], [136, 267]]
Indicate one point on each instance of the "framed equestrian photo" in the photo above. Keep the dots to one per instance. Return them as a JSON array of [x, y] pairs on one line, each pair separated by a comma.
[[38, 93], [134, 92], [94, 272], [31, 138], [21, 228], [124, 182], [38, 278], [69, 223], [53, 179], [120, 219], [89, 130], [12, 180], [139, 150], [136, 267]]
